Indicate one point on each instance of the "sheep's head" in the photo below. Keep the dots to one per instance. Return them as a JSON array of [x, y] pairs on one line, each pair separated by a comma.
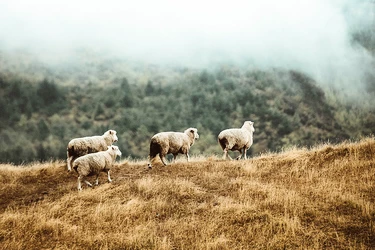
[[115, 149], [112, 133], [249, 125], [193, 131]]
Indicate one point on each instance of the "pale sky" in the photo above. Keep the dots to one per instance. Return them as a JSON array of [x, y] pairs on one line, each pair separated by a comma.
[[313, 35]]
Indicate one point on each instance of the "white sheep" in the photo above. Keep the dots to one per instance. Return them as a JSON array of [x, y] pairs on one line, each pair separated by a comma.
[[172, 143], [93, 164], [235, 139], [81, 146]]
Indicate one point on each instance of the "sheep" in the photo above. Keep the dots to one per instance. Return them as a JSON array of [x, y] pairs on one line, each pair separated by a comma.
[[94, 163], [172, 143], [239, 139], [81, 146]]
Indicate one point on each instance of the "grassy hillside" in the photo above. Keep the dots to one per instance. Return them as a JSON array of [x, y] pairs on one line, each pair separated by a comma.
[[316, 198]]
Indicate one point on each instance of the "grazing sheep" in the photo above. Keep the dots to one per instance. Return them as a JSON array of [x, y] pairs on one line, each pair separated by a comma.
[[91, 144], [239, 139], [93, 164], [172, 143]]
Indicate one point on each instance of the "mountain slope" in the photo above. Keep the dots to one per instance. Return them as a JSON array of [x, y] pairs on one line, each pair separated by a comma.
[[288, 108]]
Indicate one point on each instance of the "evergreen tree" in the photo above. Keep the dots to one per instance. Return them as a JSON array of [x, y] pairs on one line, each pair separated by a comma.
[[149, 89]]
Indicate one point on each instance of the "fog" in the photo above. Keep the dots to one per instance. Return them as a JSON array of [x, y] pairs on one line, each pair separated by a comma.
[[311, 36]]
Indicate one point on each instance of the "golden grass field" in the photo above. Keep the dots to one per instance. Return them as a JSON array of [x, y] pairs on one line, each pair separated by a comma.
[[318, 198]]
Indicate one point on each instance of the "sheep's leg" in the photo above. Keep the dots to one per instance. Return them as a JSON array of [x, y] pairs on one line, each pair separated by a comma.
[[162, 157], [88, 183], [226, 155], [79, 183], [69, 161], [97, 180], [174, 158], [244, 154], [240, 155], [149, 165], [187, 157], [80, 178], [109, 177]]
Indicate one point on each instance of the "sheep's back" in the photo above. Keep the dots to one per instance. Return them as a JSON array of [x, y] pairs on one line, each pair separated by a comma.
[[234, 138], [87, 145], [93, 163], [171, 141]]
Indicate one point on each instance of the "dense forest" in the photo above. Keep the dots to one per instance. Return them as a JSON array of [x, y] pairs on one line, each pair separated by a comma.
[[41, 113]]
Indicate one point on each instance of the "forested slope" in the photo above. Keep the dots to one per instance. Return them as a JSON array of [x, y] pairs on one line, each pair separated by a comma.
[[42, 112]]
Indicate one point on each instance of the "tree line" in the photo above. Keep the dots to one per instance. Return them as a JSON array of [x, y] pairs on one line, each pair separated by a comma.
[[288, 108]]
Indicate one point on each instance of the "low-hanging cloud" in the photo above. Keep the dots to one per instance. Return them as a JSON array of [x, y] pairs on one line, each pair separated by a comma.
[[311, 36]]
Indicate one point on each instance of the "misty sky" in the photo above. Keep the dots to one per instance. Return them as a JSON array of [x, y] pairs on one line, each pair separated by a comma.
[[313, 36]]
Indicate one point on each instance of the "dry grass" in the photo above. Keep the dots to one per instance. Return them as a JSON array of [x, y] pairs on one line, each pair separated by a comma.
[[299, 199]]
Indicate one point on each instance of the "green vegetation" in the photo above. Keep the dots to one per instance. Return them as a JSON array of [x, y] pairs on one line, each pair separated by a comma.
[[40, 115]]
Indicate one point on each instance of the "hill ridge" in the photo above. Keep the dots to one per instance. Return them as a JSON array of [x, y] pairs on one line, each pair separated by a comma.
[[299, 198]]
